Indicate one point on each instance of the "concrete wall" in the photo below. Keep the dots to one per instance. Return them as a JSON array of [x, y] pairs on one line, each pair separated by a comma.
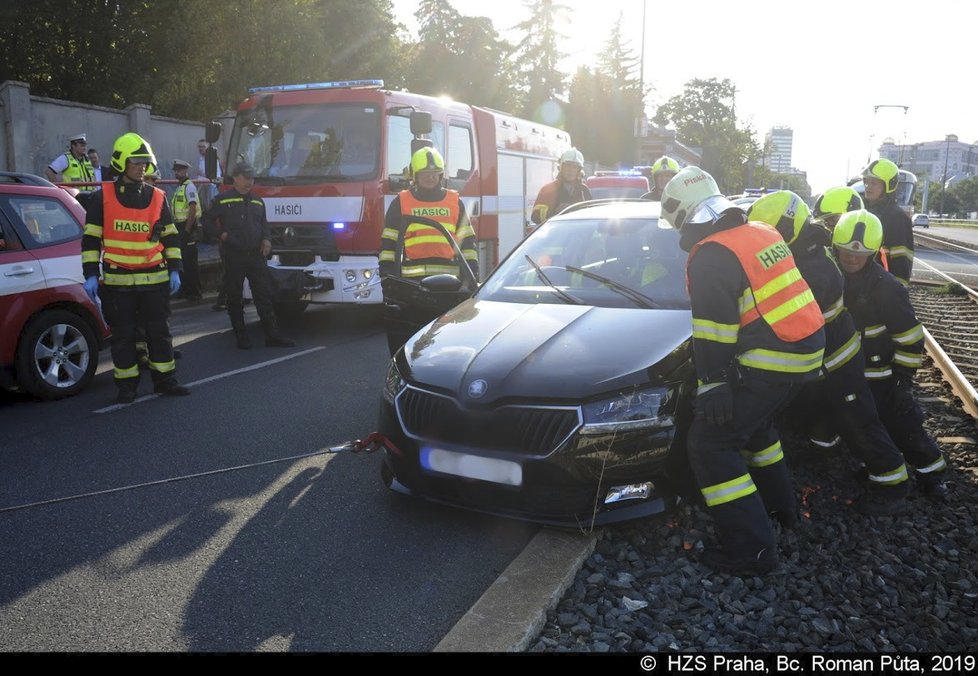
[[36, 130]]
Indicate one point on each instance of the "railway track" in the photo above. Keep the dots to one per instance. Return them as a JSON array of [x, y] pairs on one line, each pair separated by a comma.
[[948, 309]]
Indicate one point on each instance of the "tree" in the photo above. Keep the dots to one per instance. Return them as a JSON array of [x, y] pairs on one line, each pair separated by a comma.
[[537, 55], [703, 116], [462, 57]]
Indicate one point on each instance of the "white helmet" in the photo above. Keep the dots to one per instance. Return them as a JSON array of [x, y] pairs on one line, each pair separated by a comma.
[[692, 196], [573, 156]]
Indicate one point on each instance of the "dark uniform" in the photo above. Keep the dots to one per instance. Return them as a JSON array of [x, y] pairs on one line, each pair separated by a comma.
[[843, 395], [135, 292], [556, 196], [893, 342], [897, 237], [239, 220], [741, 343]]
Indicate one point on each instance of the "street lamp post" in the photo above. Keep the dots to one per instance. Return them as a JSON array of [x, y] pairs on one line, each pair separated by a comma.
[[947, 146]]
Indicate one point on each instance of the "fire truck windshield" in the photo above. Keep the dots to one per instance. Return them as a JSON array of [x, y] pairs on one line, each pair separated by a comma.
[[303, 143]]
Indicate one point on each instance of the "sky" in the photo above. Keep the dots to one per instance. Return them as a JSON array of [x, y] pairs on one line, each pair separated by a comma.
[[842, 75]]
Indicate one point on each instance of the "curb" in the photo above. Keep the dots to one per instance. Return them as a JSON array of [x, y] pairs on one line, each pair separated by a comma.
[[514, 608]]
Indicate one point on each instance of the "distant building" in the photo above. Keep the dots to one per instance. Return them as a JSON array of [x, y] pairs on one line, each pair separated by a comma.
[[930, 158], [777, 149], [660, 141]]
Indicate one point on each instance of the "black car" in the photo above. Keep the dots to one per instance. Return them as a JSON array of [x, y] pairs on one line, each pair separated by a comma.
[[559, 392]]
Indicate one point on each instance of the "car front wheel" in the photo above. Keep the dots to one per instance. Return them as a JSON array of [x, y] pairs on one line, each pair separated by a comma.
[[57, 355]]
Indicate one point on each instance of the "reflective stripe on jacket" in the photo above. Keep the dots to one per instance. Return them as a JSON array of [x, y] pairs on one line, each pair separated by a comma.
[[79, 171], [126, 233], [424, 241], [181, 207]]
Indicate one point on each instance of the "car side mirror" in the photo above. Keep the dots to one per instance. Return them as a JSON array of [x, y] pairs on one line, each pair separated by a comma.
[[444, 283]]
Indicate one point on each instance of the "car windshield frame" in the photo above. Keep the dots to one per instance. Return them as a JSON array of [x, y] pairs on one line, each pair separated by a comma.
[[639, 257]]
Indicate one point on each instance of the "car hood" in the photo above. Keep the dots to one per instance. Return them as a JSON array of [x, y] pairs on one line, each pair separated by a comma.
[[562, 352]]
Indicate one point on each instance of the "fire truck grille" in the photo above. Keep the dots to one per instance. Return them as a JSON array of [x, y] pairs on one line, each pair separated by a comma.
[[306, 239], [533, 430]]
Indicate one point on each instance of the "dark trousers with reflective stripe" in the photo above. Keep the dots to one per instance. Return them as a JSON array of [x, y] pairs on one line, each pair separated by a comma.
[[129, 309], [743, 526], [850, 409], [250, 265], [906, 429]]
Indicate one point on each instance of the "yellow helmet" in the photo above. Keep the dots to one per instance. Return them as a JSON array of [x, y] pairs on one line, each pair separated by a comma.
[[784, 211], [132, 146], [427, 159], [858, 232], [836, 201], [665, 163], [886, 171]]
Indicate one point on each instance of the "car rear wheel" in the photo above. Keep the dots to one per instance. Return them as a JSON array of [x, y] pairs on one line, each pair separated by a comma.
[[57, 355]]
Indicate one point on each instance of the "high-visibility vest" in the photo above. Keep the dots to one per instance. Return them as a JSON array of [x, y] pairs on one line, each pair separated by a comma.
[[778, 293], [424, 241], [181, 207], [79, 171], [126, 232]]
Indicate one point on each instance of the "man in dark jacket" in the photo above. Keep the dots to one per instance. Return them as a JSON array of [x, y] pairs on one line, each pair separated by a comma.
[[880, 179], [237, 219], [841, 396]]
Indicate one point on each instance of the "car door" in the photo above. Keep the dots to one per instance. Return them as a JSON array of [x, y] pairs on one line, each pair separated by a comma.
[[20, 273], [411, 304]]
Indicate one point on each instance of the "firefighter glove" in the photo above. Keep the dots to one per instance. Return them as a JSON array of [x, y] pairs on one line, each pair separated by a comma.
[[91, 288], [903, 401], [715, 405], [174, 282]]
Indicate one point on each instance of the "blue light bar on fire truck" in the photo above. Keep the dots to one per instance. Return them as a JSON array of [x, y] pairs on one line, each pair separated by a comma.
[[344, 84]]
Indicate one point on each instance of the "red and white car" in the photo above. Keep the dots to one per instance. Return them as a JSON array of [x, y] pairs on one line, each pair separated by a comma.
[[50, 330]]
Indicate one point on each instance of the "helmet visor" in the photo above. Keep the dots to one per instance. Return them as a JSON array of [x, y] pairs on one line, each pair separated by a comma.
[[710, 209]]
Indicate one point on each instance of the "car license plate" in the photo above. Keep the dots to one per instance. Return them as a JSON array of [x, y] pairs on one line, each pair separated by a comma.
[[472, 466]]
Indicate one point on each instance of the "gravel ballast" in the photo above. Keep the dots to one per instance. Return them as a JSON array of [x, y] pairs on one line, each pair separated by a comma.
[[848, 582]]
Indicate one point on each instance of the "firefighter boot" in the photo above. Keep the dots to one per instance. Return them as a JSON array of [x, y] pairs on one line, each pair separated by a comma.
[[127, 391], [274, 337], [171, 388], [933, 485], [883, 500], [764, 562], [240, 333]]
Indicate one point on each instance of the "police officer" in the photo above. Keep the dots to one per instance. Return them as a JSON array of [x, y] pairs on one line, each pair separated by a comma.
[[237, 219], [74, 167], [568, 188], [426, 252], [842, 394], [893, 342], [880, 180], [663, 170], [757, 336], [185, 214], [129, 229]]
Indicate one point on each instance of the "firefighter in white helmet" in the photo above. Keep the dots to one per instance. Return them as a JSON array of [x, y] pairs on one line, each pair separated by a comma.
[[568, 188], [757, 338]]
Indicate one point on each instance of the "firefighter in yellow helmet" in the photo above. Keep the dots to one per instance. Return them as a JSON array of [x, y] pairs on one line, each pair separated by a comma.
[[830, 205], [841, 399], [880, 181], [757, 338], [663, 169], [893, 342], [568, 188], [131, 241]]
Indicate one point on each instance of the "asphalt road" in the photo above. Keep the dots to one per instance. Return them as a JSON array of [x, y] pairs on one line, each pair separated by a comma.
[[217, 521]]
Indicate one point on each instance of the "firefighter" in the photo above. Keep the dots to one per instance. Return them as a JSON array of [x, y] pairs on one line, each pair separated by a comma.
[[238, 220], [830, 205], [663, 170], [842, 394], [757, 337], [880, 180], [568, 188], [426, 252], [129, 229], [893, 342]]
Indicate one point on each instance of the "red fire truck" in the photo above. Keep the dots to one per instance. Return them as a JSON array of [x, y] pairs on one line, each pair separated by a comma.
[[330, 157]]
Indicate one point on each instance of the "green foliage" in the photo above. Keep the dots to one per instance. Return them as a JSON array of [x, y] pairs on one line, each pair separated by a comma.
[[537, 57], [704, 117]]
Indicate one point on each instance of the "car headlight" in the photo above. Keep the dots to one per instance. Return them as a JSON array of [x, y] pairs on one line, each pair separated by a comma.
[[651, 408], [393, 384]]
